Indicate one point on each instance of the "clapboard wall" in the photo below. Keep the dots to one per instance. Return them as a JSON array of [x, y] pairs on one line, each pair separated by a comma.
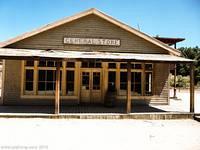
[[89, 26]]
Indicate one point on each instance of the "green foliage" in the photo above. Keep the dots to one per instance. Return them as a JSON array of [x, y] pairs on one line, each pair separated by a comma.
[[181, 81], [184, 69]]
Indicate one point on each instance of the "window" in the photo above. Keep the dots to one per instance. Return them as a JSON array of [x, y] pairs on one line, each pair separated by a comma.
[[136, 66], [148, 66], [48, 64], [29, 80], [123, 65], [70, 64], [45, 78], [96, 80], [133, 66], [70, 82], [92, 64], [136, 83], [123, 80], [111, 81], [148, 79], [148, 89], [30, 63], [111, 65], [29, 77], [85, 80], [46, 81]]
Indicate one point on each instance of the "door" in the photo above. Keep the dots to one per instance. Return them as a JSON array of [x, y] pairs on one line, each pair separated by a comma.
[[91, 86]]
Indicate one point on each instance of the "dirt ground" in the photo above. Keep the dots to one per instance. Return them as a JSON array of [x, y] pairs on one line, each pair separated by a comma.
[[64, 134], [53, 134], [183, 101]]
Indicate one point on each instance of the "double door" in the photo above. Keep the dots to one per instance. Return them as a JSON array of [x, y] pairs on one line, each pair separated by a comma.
[[91, 80]]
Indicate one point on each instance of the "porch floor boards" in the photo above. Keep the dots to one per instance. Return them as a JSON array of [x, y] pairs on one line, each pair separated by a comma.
[[71, 109], [91, 112]]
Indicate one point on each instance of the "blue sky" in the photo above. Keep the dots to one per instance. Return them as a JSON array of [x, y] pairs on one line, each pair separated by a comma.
[[168, 18]]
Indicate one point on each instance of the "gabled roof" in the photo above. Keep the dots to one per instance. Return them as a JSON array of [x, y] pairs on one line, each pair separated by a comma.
[[99, 14]]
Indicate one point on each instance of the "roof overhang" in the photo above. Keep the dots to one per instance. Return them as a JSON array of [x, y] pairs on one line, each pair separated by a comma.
[[169, 41], [24, 54]]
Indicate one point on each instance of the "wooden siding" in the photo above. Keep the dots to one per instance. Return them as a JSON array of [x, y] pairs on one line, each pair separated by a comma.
[[161, 84], [12, 81], [89, 26]]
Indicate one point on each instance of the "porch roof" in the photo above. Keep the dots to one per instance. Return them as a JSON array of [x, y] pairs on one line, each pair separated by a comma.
[[20, 54]]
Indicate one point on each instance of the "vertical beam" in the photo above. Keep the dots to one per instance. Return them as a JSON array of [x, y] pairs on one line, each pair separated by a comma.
[[175, 82], [143, 79], [78, 79], [118, 78], [35, 78], [63, 85], [57, 92], [191, 87], [129, 87]]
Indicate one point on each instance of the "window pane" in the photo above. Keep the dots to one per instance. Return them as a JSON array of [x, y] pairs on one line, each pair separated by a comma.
[[148, 66], [29, 86], [137, 83], [70, 82], [85, 65], [70, 64], [136, 80], [112, 65], [50, 64], [123, 80], [41, 86], [29, 75], [97, 65], [96, 80], [138, 77], [137, 89], [123, 65], [42, 63], [123, 76], [138, 66], [70, 88], [91, 65], [46, 81], [50, 86], [148, 83], [42, 74], [111, 81], [70, 75], [51, 75], [29, 63], [85, 80]]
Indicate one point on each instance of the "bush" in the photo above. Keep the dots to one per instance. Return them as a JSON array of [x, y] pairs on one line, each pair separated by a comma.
[[181, 81]]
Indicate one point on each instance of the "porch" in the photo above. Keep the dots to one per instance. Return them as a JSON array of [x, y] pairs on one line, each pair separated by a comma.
[[92, 112], [59, 56]]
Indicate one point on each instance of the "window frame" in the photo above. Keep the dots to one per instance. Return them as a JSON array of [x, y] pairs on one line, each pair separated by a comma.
[[123, 92], [27, 92], [46, 94], [152, 79]]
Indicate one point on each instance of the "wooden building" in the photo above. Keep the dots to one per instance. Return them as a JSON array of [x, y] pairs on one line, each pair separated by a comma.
[[87, 58]]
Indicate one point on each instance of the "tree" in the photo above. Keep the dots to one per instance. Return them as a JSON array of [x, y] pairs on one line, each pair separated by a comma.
[[190, 53]]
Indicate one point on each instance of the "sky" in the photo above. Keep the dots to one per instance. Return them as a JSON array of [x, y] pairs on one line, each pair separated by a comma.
[[166, 18]]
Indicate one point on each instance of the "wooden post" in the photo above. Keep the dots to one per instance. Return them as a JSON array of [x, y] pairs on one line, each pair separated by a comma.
[[191, 87], [57, 92], [129, 87], [175, 97]]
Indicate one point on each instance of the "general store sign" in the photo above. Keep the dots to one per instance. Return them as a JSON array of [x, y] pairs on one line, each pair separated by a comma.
[[91, 41]]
